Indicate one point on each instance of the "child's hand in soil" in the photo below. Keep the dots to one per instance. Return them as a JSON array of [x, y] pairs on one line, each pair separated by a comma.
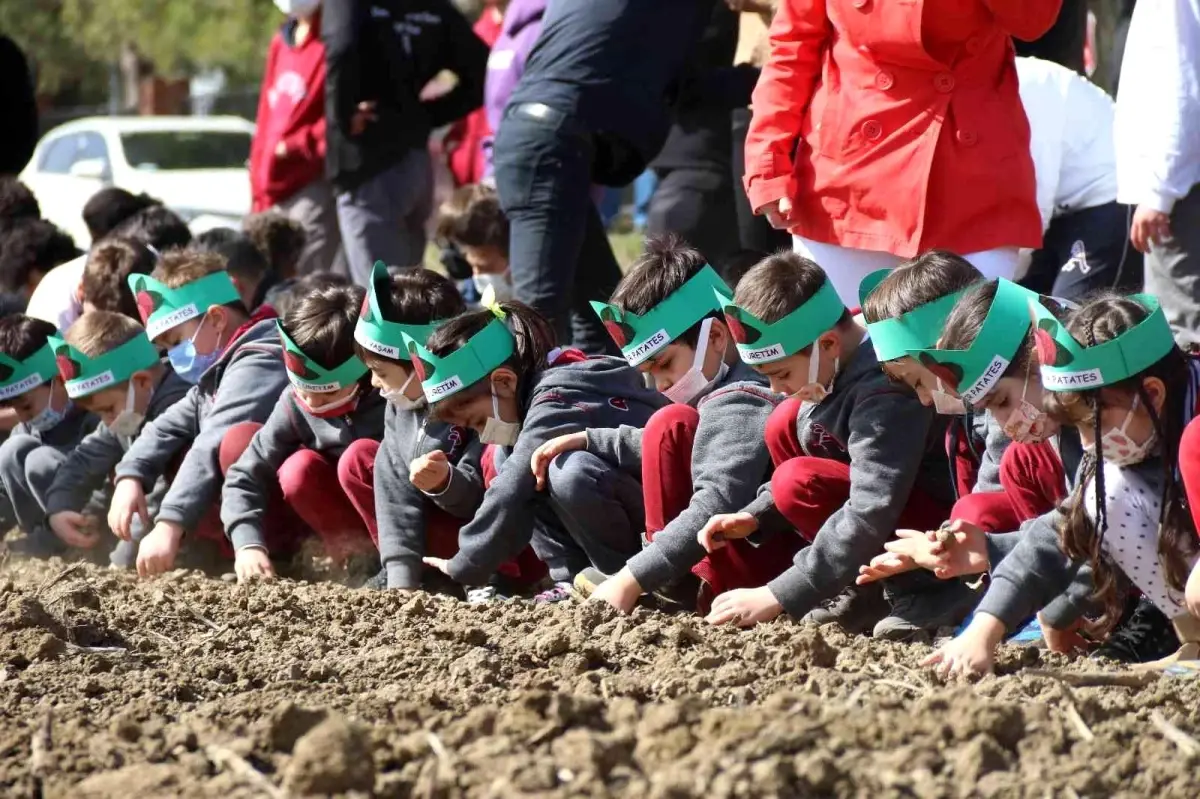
[[74, 529], [441, 564], [430, 472], [973, 652], [621, 591], [156, 553], [1191, 594], [252, 563], [744, 607], [128, 499], [1065, 640], [540, 461], [723, 528]]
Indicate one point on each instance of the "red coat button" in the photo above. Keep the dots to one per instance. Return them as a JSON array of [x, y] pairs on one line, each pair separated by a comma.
[[860, 4], [885, 80], [872, 130], [944, 82], [967, 138]]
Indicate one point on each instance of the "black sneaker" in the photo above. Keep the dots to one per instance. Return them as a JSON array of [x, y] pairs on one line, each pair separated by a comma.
[[376, 583], [856, 609], [920, 613], [1142, 636]]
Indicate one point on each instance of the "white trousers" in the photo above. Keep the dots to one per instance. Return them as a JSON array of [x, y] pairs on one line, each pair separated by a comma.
[[846, 266]]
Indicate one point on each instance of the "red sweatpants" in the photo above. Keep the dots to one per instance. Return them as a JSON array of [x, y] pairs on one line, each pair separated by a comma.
[[283, 531], [1034, 483], [441, 529], [667, 487], [809, 490]]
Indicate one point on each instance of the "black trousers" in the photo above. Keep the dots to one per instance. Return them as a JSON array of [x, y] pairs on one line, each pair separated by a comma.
[[1085, 251]]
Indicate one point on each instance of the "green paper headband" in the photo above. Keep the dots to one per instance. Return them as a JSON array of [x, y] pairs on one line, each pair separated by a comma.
[[1067, 365], [162, 308], [642, 337], [915, 330], [18, 377], [759, 342], [305, 373], [377, 334], [975, 370], [83, 375], [442, 377]]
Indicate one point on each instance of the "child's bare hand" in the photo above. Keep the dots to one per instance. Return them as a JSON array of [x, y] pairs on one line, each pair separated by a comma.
[[725, 527], [744, 607], [252, 563], [128, 499], [957, 549], [972, 653], [430, 472], [74, 529], [621, 591], [441, 564], [550, 450], [1063, 639], [884, 566], [156, 553]]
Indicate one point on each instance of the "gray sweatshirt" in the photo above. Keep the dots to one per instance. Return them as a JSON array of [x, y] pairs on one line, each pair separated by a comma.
[[995, 441], [891, 443], [89, 466], [599, 392], [289, 428], [729, 463], [242, 386], [400, 506]]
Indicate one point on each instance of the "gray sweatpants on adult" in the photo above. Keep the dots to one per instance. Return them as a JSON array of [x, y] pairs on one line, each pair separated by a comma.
[[1173, 270], [315, 209], [27, 468], [383, 218], [601, 512]]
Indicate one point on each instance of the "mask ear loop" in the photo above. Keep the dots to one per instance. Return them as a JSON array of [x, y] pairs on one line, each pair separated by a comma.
[[702, 347]]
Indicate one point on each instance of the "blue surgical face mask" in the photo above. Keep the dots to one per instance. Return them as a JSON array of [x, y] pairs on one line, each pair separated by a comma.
[[48, 418], [188, 363]]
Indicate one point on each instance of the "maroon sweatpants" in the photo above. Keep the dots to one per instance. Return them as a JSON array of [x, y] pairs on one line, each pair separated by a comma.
[[1034, 483]]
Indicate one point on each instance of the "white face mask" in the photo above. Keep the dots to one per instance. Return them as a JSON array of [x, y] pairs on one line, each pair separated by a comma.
[[1119, 449], [1027, 423], [946, 403], [693, 385], [397, 397], [496, 430], [129, 421], [298, 8], [814, 392], [500, 284]]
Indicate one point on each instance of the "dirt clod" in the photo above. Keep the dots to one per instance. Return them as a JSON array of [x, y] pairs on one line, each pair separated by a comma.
[[333, 757]]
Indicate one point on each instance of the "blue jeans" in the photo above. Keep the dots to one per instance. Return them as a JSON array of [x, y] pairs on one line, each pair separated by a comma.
[[558, 249]]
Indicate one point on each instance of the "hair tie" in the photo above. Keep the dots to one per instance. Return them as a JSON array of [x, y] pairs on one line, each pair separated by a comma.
[[489, 301]]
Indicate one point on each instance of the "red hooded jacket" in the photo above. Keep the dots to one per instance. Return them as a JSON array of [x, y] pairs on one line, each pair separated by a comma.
[[291, 109]]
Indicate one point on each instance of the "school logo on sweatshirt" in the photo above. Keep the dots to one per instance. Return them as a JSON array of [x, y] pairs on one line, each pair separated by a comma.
[[619, 403], [288, 84]]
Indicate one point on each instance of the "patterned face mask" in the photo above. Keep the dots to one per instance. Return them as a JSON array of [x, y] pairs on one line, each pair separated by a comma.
[[1027, 423], [1119, 449]]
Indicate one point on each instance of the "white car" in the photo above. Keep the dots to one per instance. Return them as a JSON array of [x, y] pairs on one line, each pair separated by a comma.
[[196, 165]]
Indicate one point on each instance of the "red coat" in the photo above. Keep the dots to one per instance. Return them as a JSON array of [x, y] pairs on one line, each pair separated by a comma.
[[291, 109], [911, 126]]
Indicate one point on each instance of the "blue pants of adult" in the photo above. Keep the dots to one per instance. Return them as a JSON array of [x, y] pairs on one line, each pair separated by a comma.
[[27, 468], [1086, 251], [601, 514], [558, 250]]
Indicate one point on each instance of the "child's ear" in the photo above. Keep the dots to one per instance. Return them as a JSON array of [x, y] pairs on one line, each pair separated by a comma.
[[143, 381], [830, 343], [1156, 390], [504, 382]]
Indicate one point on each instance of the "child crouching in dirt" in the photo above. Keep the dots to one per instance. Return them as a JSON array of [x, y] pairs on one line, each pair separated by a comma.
[[316, 449], [234, 362], [499, 372], [50, 427], [112, 370], [1115, 374], [699, 456], [856, 455], [427, 475]]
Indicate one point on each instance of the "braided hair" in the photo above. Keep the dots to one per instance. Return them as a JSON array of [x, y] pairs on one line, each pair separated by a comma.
[[1103, 319]]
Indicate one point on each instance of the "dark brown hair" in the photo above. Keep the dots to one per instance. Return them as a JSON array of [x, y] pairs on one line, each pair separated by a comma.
[[917, 282], [778, 285], [105, 285], [278, 238], [321, 323], [966, 320], [533, 338], [413, 297], [472, 217], [22, 336], [666, 263], [1102, 319]]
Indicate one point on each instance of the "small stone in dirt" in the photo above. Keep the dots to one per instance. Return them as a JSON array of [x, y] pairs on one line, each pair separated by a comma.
[[289, 722], [333, 757], [49, 647], [811, 648], [550, 644], [229, 577]]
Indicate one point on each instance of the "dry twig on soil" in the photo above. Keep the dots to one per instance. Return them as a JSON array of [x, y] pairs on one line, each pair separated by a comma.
[[1097, 679], [56, 579], [1186, 743], [236, 764], [907, 686], [39, 747]]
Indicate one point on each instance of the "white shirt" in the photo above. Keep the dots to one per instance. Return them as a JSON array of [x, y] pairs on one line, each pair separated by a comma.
[[1071, 138], [1158, 108], [56, 298]]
